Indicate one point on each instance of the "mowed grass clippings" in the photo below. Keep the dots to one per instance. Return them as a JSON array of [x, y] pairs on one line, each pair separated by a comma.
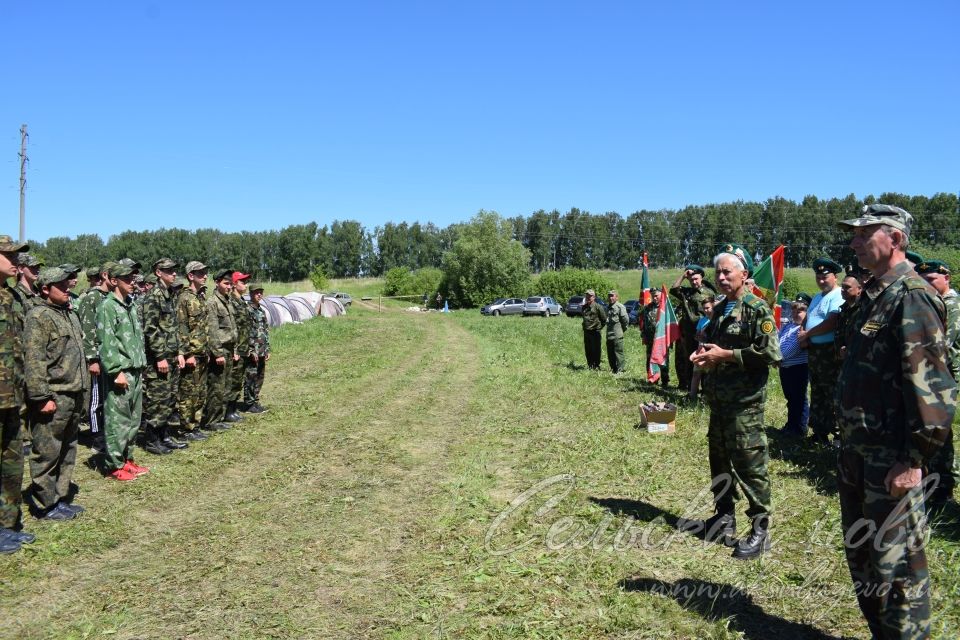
[[374, 500]]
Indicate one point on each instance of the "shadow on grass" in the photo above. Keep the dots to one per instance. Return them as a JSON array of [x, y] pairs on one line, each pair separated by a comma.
[[723, 602], [946, 523], [636, 509], [573, 366], [818, 464], [639, 384]]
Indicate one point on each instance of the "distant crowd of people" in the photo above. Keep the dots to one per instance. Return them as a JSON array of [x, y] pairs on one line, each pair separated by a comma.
[[879, 349], [136, 355]]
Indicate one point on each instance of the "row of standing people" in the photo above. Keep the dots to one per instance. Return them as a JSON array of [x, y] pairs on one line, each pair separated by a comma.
[[132, 352]]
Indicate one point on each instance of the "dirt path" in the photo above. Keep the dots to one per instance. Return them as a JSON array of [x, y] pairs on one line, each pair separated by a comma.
[[284, 527]]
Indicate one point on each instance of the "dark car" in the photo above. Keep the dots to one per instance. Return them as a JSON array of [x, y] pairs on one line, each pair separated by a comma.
[[574, 306], [633, 310]]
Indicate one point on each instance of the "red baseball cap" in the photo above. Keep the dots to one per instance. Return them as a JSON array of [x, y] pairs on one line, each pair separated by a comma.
[[237, 276]]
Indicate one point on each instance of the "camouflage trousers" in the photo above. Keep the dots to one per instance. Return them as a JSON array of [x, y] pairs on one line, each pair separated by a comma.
[[824, 374], [11, 467], [254, 381], [615, 357], [739, 458], [237, 376], [122, 412], [686, 346], [191, 395], [160, 396], [53, 454], [944, 463], [218, 388], [884, 540]]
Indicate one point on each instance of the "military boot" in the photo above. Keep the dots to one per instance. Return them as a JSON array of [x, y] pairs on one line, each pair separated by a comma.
[[169, 442], [753, 545], [152, 444], [721, 527]]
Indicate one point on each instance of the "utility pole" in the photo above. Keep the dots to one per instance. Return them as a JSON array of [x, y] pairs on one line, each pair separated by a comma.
[[23, 182]]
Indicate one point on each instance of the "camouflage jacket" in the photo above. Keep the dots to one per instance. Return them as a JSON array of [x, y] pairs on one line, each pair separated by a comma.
[[259, 331], [648, 316], [27, 298], [841, 337], [896, 397], [952, 302], [53, 352], [192, 323], [617, 321], [750, 331], [594, 317], [87, 312], [690, 307], [120, 335], [241, 316], [221, 326], [160, 327], [11, 351]]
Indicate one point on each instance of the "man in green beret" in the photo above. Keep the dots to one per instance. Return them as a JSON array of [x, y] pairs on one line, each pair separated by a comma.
[[817, 336], [11, 400], [896, 404], [260, 349], [122, 358], [222, 336], [944, 463], [54, 372], [689, 308], [594, 319]]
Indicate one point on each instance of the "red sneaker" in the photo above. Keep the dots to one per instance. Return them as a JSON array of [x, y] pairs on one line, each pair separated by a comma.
[[122, 475], [135, 469]]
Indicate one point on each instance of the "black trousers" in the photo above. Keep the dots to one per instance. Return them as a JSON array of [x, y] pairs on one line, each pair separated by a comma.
[[592, 348]]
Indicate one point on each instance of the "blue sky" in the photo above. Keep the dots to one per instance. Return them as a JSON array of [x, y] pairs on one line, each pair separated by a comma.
[[246, 116]]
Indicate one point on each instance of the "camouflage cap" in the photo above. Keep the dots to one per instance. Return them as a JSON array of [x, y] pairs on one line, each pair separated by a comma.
[[881, 214], [29, 260], [105, 267], [612, 292], [92, 272], [51, 275], [179, 283], [914, 257], [130, 262], [696, 269], [740, 253], [194, 265], [9, 244], [803, 298], [254, 287], [70, 267], [223, 273], [591, 292], [826, 265], [933, 266], [164, 263], [150, 278], [118, 270]]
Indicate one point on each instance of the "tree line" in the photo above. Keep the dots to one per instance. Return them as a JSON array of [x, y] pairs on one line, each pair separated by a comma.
[[553, 239]]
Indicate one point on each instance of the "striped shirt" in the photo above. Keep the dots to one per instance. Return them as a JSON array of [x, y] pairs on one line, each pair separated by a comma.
[[793, 354]]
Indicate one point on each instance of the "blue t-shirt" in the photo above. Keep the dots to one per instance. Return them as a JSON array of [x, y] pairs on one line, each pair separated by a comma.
[[822, 306]]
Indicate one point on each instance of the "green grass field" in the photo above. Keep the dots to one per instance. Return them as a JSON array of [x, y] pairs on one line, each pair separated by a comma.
[[379, 498]]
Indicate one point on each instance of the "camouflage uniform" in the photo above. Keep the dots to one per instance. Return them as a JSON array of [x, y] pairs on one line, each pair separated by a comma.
[[121, 350], [649, 331], [617, 322], [26, 297], [162, 340], [689, 311], [594, 318], [260, 346], [241, 315], [222, 334], [944, 461], [824, 371], [737, 392], [194, 342], [87, 307], [11, 400], [54, 370], [896, 401], [848, 311]]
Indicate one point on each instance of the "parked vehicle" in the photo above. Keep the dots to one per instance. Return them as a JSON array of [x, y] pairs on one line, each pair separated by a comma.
[[633, 310], [345, 298], [503, 307], [541, 306], [575, 306]]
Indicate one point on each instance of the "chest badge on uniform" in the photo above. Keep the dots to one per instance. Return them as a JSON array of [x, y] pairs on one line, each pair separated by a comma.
[[767, 326]]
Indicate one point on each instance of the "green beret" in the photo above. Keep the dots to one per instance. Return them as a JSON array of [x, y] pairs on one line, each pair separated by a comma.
[[696, 269], [52, 275], [803, 297], [914, 257], [826, 265], [117, 270], [223, 273], [933, 266], [740, 253]]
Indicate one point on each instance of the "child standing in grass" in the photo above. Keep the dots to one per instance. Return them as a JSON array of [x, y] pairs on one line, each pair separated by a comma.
[[702, 323]]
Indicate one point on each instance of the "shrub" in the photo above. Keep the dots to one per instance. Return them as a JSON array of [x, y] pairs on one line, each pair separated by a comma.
[[318, 278], [560, 285]]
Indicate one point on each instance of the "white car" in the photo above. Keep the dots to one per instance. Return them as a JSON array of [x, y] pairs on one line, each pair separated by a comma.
[[541, 306]]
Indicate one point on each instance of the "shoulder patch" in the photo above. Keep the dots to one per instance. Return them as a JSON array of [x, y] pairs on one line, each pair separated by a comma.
[[766, 326], [754, 302], [914, 282]]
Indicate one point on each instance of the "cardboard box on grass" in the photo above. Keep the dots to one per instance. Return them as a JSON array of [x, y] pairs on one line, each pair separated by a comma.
[[658, 417]]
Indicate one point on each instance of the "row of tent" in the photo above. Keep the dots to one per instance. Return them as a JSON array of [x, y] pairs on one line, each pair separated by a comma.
[[300, 307]]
